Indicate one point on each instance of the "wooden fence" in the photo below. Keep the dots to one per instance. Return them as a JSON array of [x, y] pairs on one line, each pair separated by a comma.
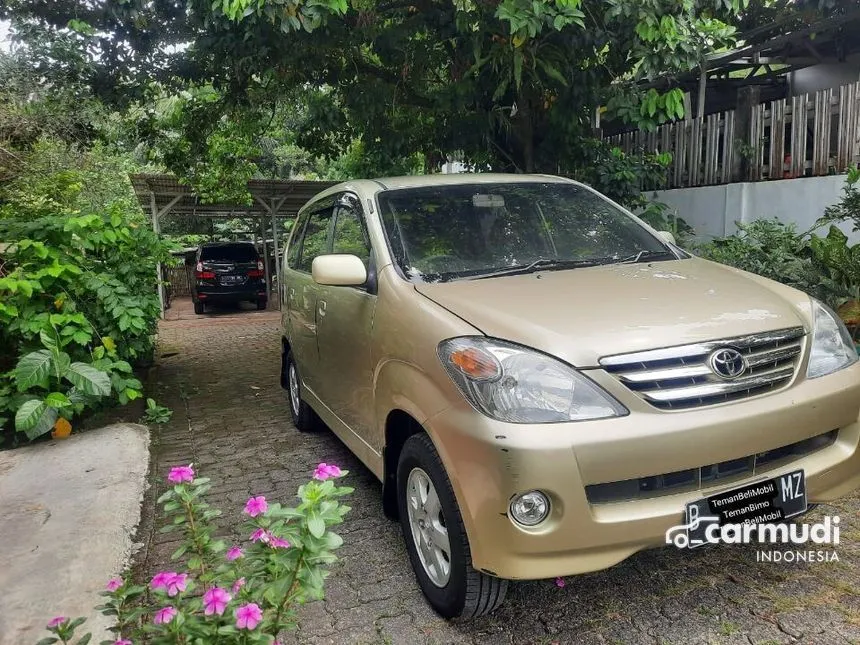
[[803, 136], [179, 279]]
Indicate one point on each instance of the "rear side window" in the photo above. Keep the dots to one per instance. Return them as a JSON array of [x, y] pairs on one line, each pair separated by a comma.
[[295, 243], [229, 253], [316, 239]]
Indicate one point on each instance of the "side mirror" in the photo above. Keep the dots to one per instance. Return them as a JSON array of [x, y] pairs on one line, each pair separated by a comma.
[[666, 235], [340, 270]]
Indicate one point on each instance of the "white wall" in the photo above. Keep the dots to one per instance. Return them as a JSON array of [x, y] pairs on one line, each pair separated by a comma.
[[713, 210]]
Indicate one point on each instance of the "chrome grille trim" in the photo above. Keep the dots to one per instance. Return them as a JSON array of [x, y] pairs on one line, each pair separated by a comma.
[[680, 377]]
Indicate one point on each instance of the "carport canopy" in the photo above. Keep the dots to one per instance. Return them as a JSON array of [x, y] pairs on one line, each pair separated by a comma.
[[164, 195]]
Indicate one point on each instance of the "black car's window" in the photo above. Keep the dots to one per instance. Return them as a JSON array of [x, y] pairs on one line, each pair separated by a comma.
[[316, 239], [350, 235], [469, 230], [296, 240], [229, 253]]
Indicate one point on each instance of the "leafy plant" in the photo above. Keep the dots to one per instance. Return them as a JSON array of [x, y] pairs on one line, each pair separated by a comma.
[[155, 413], [77, 284], [244, 594], [54, 386]]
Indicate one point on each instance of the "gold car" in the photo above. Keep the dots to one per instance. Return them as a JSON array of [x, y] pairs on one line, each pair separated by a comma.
[[544, 384]]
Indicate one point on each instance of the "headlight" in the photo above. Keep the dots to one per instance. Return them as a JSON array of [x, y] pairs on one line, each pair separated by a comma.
[[514, 384], [832, 347]]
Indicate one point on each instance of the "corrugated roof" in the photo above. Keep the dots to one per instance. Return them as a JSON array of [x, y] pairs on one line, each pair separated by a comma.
[[291, 194]]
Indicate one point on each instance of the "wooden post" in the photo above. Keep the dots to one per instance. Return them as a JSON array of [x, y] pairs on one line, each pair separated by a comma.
[[748, 100], [703, 82]]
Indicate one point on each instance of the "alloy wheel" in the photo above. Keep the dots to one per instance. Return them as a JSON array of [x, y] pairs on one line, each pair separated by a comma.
[[293, 378], [428, 527]]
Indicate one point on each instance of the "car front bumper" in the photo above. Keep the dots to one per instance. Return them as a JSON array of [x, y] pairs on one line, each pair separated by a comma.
[[490, 462]]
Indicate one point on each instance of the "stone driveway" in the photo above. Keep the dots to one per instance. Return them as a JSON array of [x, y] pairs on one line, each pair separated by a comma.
[[219, 374]]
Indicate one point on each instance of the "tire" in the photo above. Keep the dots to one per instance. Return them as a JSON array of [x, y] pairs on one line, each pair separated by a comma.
[[261, 304], [199, 308], [304, 418], [464, 592]]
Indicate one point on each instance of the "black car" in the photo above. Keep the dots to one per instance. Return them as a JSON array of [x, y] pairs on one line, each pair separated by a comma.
[[228, 272]]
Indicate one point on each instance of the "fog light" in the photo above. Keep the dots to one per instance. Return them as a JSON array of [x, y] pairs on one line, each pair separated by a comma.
[[530, 509]]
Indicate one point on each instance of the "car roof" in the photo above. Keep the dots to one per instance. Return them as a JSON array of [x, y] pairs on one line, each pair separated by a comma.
[[380, 184], [210, 244]]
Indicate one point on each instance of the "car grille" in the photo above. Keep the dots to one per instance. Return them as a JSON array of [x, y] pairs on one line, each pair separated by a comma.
[[676, 378], [698, 478]]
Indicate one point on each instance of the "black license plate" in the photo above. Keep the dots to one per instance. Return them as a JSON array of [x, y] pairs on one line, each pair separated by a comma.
[[232, 279], [765, 502]]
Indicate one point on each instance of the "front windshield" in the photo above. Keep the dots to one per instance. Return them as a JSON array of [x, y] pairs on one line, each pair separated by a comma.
[[452, 232]]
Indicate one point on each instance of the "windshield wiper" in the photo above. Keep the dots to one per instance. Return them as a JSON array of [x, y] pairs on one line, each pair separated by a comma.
[[645, 256], [542, 263]]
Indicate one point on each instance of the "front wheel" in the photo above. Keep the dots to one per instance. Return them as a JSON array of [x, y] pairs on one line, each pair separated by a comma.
[[436, 538]]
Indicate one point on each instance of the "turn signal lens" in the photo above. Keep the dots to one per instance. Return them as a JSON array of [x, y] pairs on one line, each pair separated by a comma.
[[476, 363]]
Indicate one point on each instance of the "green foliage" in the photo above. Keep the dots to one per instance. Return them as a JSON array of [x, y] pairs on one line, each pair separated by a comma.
[[769, 248], [77, 278], [283, 566], [620, 176], [155, 413], [846, 209], [50, 385]]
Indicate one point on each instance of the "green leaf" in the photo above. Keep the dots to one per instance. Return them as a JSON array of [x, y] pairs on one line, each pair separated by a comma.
[[518, 68], [47, 641], [57, 400], [34, 418], [88, 379], [316, 525], [33, 369], [61, 364]]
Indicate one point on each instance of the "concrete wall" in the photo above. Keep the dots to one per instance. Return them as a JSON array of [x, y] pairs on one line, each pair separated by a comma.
[[713, 210]]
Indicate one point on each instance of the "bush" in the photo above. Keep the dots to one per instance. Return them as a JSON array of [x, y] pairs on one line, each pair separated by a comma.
[[227, 596], [77, 287]]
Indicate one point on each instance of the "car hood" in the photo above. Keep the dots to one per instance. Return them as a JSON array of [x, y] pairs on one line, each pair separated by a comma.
[[583, 314]]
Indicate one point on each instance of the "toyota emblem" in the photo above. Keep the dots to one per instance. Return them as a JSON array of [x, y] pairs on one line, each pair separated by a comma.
[[727, 363]]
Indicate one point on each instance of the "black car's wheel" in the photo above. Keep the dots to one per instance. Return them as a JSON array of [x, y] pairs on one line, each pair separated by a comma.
[[199, 308], [261, 304], [436, 538], [304, 418]]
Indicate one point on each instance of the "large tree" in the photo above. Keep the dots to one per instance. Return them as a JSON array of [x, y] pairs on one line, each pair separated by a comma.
[[509, 84]]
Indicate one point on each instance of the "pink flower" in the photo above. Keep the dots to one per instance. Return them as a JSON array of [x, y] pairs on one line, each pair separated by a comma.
[[234, 553], [113, 584], [162, 579], [56, 621], [326, 471], [277, 543], [122, 641], [215, 601], [179, 474], [256, 506], [177, 583], [248, 616], [164, 616], [238, 585], [260, 535], [559, 582]]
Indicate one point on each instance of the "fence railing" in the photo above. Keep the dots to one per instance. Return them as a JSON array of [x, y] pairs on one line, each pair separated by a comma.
[[179, 280], [802, 136]]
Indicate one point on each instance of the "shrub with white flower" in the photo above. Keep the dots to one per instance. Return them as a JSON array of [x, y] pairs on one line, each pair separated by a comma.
[[241, 594]]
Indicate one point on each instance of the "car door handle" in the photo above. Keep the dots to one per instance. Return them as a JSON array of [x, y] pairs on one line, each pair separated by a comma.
[[322, 307]]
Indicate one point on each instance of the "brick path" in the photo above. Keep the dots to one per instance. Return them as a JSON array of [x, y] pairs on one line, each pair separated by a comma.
[[219, 375]]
